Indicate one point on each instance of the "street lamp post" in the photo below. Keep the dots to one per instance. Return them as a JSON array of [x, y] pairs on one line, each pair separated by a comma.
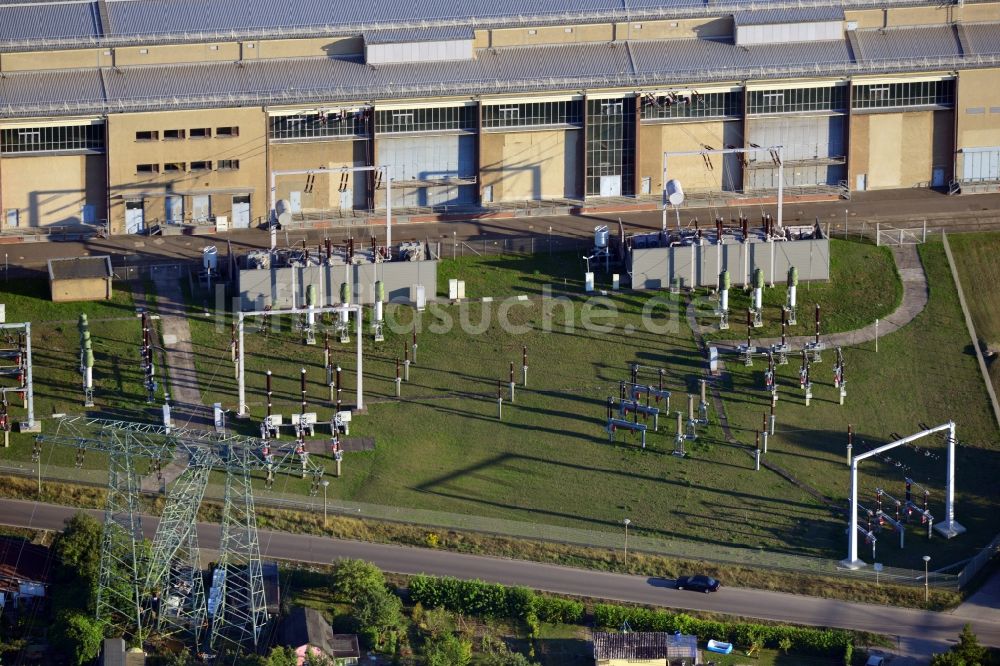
[[325, 483], [627, 522], [927, 559]]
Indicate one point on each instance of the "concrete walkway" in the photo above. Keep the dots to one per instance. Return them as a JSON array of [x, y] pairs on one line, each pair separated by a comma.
[[915, 293], [185, 396], [186, 404]]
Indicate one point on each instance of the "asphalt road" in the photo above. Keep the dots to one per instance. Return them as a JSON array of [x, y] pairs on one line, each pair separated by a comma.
[[886, 206], [931, 631]]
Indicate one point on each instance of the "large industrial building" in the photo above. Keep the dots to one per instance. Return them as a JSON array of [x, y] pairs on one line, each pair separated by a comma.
[[153, 113]]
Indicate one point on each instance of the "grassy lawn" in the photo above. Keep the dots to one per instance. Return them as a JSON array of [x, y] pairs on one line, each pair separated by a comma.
[[441, 447], [978, 269], [863, 286]]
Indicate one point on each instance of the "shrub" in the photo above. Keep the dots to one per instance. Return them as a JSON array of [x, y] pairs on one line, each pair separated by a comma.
[[562, 611], [355, 577]]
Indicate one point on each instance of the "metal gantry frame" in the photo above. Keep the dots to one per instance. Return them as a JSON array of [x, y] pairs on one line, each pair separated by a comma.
[[241, 362], [948, 528], [29, 388], [777, 151], [386, 169], [237, 613]]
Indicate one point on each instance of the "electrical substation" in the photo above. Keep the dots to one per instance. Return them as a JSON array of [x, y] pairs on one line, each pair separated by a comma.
[[307, 314]]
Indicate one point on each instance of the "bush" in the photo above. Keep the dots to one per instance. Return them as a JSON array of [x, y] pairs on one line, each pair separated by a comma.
[[557, 611], [448, 650], [815, 641], [474, 597], [355, 577]]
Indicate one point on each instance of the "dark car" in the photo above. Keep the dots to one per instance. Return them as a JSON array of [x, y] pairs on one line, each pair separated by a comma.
[[698, 583]]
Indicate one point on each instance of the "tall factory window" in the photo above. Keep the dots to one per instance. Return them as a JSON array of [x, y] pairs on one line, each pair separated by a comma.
[[52, 139], [433, 119], [610, 147], [692, 104], [797, 100], [903, 94], [319, 125], [568, 112]]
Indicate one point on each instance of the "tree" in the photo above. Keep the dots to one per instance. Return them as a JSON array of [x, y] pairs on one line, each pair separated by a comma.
[[377, 610], [966, 652], [353, 577], [78, 553], [282, 656], [969, 649], [80, 635], [448, 650]]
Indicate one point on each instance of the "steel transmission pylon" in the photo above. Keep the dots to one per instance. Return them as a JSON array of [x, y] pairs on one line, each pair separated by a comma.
[[236, 603], [174, 574], [118, 593], [235, 610]]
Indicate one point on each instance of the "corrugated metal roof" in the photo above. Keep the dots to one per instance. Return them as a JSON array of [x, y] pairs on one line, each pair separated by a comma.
[[26, 22], [142, 21], [984, 38], [686, 55], [290, 77], [793, 15], [907, 43], [148, 17], [592, 65], [644, 646], [799, 53], [37, 88], [572, 60], [417, 35]]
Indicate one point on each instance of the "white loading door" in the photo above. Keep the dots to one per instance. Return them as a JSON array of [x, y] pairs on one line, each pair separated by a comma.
[[346, 199], [611, 186], [134, 222], [201, 208], [241, 211], [295, 201], [981, 163], [175, 209]]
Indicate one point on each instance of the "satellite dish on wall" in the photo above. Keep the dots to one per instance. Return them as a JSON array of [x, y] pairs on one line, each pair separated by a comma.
[[675, 193]]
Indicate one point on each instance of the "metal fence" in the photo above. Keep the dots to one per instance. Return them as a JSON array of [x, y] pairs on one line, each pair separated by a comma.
[[976, 564], [432, 520]]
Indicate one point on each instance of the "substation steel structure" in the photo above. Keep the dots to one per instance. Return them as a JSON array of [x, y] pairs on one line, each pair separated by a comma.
[[948, 528], [28, 390], [241, 360], [385, 169], [166, 592], [777, 155]]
